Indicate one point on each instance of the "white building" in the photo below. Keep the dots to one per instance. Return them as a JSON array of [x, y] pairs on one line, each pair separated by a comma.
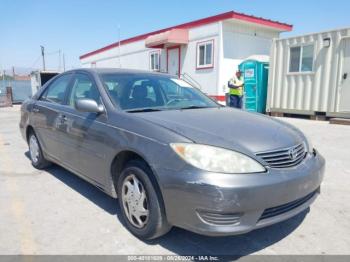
[[310, 74], [207, 50]]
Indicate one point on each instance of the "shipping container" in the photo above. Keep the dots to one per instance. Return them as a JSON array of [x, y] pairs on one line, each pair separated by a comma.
[[39, 78], [310, 74]]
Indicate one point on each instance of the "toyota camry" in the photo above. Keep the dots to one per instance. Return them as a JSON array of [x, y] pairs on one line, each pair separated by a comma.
[[169, 153]]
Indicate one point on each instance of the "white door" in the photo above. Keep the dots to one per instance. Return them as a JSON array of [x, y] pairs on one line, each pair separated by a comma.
[[344, 91], [173, 61]]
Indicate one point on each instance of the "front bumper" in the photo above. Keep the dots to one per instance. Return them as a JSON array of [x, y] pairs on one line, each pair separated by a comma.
[[228, 204]]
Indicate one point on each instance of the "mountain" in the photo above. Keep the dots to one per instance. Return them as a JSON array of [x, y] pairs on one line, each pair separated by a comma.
[[20, 71]]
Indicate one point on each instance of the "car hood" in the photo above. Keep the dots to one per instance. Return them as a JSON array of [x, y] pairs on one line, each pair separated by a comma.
[[228, 128]]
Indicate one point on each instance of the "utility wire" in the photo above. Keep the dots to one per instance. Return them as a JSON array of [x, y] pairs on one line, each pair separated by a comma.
[[52, 53], [46, 53], [36, 61]]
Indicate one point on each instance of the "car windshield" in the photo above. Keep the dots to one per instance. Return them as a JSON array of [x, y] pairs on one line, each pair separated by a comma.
[[147, 92]]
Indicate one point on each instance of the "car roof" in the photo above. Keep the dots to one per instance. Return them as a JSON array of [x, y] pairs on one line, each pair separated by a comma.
[[119, 71]]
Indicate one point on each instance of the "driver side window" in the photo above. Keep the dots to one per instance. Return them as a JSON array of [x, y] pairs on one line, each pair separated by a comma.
[[171, 90], [83, 88]]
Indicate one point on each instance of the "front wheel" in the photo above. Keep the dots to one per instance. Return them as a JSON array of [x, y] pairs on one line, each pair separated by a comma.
[[36, 153], [139, 202]]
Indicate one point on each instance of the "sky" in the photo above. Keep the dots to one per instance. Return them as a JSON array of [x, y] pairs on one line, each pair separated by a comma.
[[79, 26]]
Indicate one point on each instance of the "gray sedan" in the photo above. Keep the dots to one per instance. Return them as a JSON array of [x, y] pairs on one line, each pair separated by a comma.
[[172, 155]]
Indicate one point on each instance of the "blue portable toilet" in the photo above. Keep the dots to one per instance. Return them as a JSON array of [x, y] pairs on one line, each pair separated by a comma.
[[255, 70]]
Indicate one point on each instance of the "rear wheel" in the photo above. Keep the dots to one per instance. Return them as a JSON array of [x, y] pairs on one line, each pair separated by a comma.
[[35, 152], [139, 202]]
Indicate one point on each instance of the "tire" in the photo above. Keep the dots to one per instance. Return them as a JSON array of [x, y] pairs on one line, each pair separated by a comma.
[[144, 203], [36, 153]]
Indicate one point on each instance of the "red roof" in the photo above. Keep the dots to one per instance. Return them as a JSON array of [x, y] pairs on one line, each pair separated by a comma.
[[196, 23]]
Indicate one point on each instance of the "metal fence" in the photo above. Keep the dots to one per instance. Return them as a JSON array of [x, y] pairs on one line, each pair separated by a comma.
[[21, 90]]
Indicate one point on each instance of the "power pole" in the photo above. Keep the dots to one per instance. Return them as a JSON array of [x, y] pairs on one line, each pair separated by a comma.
[[64, 63], [43, 56], [59, 60]]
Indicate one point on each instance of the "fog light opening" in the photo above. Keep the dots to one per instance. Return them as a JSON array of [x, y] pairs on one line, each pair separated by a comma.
[[219, 219]]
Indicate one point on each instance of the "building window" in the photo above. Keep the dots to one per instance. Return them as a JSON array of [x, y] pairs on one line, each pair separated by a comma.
[[205, 54], [154, 60], [301, 59]]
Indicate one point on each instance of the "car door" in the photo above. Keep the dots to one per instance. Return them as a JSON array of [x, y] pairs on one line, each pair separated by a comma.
[[85, 133], [250, 86], [46, 116]]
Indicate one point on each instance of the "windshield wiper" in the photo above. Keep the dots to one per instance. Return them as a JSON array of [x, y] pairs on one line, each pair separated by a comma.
[[137, 110], [192, 107]]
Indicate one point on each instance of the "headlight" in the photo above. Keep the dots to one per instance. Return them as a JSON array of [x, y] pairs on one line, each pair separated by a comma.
[[215, 159]]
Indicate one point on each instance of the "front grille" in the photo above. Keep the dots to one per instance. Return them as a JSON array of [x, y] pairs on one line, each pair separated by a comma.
[[221, 219], [275, 211], [283, 158]]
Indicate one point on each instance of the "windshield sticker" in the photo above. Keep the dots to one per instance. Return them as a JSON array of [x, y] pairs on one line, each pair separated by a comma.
[[181, 82]]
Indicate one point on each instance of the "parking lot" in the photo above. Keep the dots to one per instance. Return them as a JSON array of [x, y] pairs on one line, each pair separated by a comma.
[[55, 212]]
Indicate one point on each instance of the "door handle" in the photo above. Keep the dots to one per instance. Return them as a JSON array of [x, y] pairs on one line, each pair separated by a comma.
[[345, 76], [63, 119]]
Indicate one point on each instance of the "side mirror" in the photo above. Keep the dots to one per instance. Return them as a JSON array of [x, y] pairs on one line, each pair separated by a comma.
[[89, 106]]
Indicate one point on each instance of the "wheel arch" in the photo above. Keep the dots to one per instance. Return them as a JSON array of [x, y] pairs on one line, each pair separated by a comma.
[[119, 162], [29, 130]]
